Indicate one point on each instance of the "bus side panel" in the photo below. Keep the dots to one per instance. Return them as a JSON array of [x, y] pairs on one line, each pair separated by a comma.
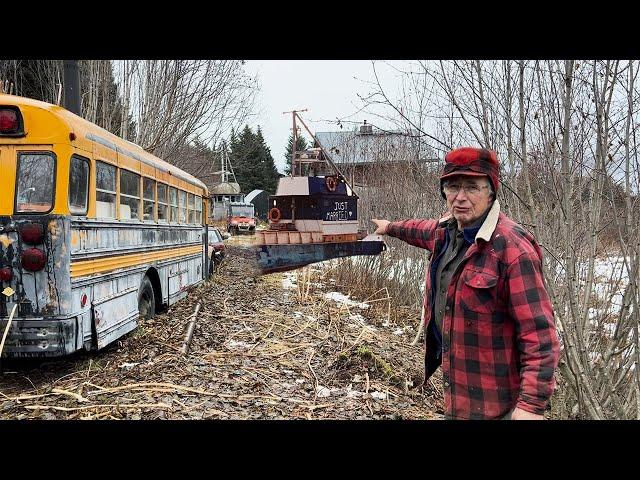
[[115, 306], [109, 260], [182, 275]]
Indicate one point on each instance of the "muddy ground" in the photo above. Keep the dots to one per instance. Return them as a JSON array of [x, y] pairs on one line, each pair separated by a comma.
[[279, 346]]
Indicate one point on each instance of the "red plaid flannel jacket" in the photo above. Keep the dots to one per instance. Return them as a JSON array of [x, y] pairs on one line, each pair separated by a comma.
[[499, 343]]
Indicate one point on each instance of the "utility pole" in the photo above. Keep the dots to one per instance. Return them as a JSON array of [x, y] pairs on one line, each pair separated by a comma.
[[72, 87], [327, 156], [294, 148]]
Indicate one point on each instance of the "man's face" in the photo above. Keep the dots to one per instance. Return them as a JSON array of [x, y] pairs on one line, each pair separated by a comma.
[[468, 198]]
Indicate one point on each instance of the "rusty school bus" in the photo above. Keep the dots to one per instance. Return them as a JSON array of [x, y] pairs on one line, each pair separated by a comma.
[[94, 231]]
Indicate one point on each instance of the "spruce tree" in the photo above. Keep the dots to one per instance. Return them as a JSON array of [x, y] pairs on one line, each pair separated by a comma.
[[245, 160], [252, 161], [269, 171]]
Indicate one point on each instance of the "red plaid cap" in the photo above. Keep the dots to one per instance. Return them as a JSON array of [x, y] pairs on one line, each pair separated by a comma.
[[473, 162]]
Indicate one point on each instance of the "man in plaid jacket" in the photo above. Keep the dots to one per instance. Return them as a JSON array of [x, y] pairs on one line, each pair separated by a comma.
[[488, 318]]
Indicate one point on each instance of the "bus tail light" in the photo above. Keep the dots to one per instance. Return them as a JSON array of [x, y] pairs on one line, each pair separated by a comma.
[[6, 274], [32, 233], [10, 122], [33, 259]]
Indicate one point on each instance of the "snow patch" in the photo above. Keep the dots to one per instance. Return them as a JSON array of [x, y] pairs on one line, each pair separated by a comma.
[[128, 366], [232, 344], [354, 394], [289, 281], [323, 392], [344, 299]]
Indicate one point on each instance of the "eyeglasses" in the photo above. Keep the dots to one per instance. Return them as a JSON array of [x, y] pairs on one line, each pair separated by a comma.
[[471, 189]]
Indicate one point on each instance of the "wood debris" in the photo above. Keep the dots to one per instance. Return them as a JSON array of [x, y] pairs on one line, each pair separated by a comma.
[[257, 351]]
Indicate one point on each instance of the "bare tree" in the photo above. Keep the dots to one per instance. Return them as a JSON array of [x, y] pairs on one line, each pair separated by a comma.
[[175, 101], [567, 132]]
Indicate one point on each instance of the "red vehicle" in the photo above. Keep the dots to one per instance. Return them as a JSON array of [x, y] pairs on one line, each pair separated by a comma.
[[241, 218]]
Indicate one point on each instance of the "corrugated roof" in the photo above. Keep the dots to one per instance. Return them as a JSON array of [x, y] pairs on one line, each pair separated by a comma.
[[253, 194], [353, 147]]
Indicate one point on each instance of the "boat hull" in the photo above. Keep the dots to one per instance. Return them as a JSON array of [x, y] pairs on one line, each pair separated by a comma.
[[280, 258]]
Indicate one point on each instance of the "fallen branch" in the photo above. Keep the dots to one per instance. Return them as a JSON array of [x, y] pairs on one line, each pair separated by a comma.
[[88, 407], [288, 350], [365, 329], [258, 342], [316, 407], [420, 328], [190, 328], [148, 386], [78, 397], [315, 395]]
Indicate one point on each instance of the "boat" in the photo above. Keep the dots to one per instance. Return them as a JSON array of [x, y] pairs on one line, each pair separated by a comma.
[[313, 215]]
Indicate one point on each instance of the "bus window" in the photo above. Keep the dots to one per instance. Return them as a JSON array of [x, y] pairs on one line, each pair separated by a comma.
[[198, 218], [149, 193], [163, 213], [105, 190], [129, 195], [78, 185], [173, 200], [35, 182], [191, 214], [182, 206]]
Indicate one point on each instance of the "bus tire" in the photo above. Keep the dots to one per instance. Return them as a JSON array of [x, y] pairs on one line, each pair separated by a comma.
[[146, 299]]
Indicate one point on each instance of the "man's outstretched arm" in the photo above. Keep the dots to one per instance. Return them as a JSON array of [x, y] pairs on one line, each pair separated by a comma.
[[416, 232]]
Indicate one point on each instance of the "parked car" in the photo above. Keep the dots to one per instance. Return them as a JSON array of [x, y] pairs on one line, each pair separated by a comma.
[[216, 248]]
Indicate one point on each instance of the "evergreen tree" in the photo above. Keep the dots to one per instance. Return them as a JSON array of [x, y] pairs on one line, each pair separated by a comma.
[[301, 144], [252, 161], [269, 171], [244, 158]]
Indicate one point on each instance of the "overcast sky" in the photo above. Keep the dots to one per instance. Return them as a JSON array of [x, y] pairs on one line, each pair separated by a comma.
[[327, 88]]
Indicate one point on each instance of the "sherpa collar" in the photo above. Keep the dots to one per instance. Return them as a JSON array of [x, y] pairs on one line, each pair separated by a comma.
[[488, 226]]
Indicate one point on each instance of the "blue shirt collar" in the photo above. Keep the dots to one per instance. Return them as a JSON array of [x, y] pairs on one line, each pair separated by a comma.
[[469, 233]]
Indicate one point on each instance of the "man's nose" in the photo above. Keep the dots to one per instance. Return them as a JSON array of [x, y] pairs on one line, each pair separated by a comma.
[[461, 195]]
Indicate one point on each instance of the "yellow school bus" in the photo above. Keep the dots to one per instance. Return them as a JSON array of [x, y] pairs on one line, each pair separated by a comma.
[[94, 231]]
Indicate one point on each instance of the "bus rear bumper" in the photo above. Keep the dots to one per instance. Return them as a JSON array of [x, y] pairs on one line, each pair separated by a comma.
[[39, 337]]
